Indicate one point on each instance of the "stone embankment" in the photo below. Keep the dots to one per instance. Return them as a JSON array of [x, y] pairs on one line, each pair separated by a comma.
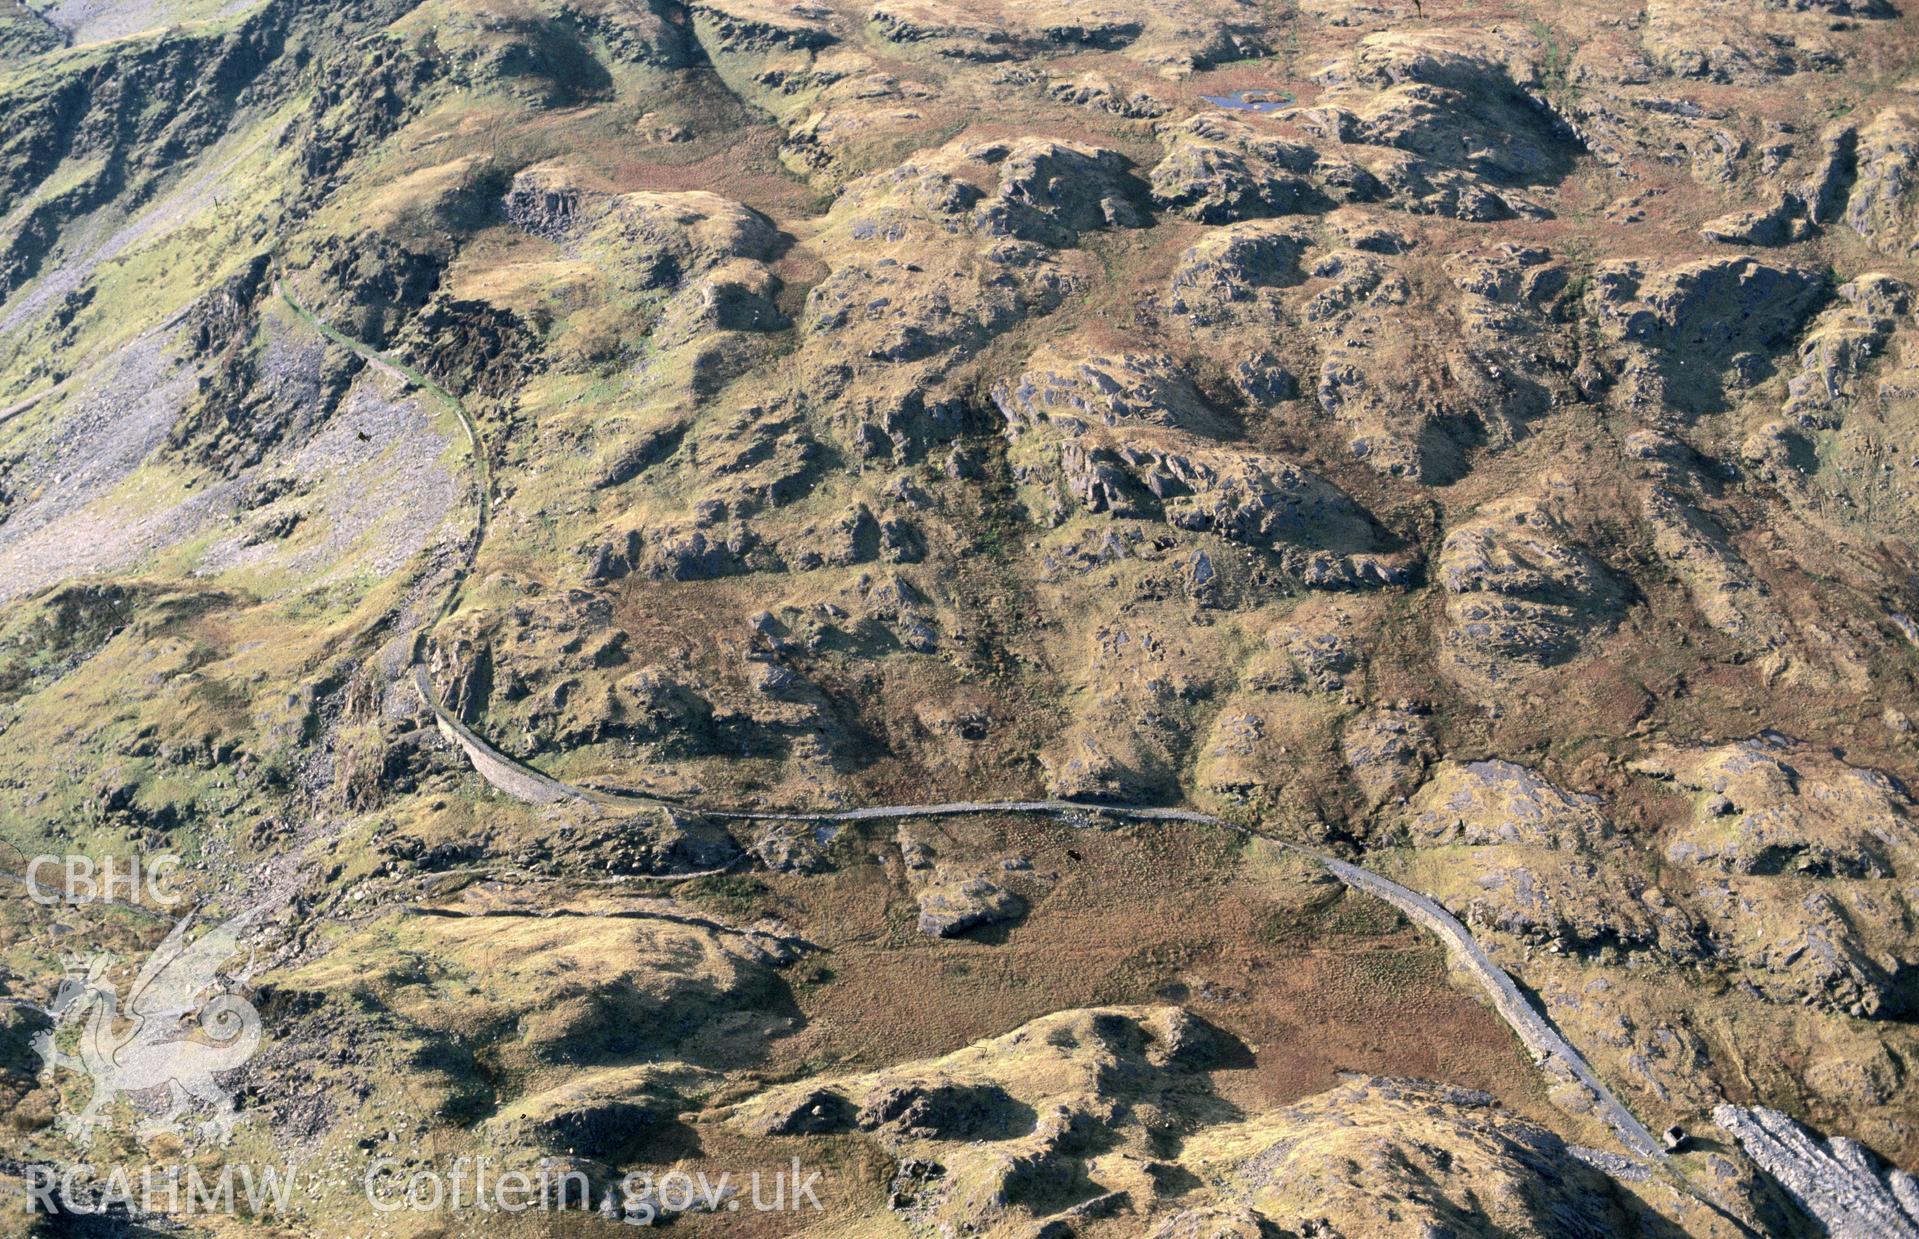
[[1539, 1036]]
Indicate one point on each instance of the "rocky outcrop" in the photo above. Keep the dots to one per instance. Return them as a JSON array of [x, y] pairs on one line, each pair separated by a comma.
[[1548, 867], [1841, 344], [1091, 90], [374, 284], [473, 348], [1002, 1133], [602, 1115], [1880, 208], [1807, 851], [1489, 802], [1219, 170], [1130, 437], [1840, 1184], [1134, 732], [1173, 38], [1740, 582], [1234, 274], [1522, 595], [943, 256], [1464, 135], [1729, 593], [1838, 947], [1311, 313], [110, 125], [258, 392], [927, 314], [1684, 335], [1800, 209], [1392, 1156], [739, 296], [63, 629], [1021, 1128], [1387, 752], [1767, 806], [544, 201], [1724, 41], [757, 27], [662, 240], [1323, 642], [1568, 902], [1050, 192], [358, 102], [1129, 389]]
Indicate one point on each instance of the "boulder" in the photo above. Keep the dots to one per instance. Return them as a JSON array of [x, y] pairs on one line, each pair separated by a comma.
[[952, 904]]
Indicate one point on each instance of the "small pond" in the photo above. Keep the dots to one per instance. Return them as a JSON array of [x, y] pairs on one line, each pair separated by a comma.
[[1261, 99]]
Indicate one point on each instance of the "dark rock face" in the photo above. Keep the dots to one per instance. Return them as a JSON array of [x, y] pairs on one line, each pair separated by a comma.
[[133, 115], [24, 33], [603, 1131], [252, 400], [536, 204], [354, 107], [472, 347], [382, 283]]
